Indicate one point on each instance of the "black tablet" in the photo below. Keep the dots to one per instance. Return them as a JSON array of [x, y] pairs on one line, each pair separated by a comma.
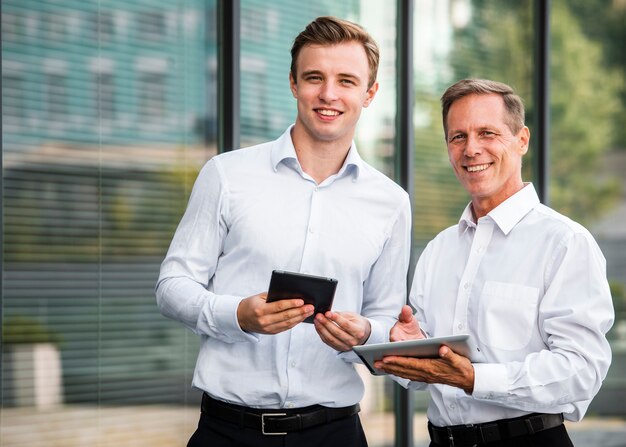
[[422, 348], [316, 290]]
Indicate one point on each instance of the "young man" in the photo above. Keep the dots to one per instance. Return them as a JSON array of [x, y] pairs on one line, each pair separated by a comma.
[[305, 203], [528, 284]]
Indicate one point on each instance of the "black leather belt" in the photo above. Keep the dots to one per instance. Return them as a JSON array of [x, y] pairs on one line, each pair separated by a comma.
[[275, 422], [468, 435]]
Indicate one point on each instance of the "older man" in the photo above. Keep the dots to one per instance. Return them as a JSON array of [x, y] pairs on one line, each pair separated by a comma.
[[527, 283]]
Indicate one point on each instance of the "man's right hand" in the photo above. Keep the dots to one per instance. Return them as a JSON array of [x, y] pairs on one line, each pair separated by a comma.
[[254, 314], [407, 327]]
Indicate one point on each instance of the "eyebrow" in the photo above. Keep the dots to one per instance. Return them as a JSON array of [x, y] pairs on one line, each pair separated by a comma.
[[477, 129]]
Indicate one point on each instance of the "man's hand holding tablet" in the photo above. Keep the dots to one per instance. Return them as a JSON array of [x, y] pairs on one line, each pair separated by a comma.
[[422, 359]]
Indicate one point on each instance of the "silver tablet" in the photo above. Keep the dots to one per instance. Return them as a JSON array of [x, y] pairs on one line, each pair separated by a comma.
[[422, 348]]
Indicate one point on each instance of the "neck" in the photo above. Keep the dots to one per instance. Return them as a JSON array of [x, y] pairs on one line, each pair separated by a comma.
[[321, 164], [481, 206], [320, 159]]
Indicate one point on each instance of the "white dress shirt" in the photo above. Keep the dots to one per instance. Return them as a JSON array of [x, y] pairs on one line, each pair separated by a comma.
[[254, 210], [529, 285]]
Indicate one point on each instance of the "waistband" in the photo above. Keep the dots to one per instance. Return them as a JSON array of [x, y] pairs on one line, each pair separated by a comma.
[[501, 430], [274, 421]]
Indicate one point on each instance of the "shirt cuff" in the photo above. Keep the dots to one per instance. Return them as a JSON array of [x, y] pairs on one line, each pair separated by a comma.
[[490, 381], [219, 320], [377, 333], [411, 384]]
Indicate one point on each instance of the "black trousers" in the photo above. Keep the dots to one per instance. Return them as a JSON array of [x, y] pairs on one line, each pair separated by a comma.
[[553, 437], [213, 432]]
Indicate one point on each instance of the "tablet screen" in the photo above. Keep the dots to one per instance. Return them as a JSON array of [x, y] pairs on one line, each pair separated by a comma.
[[316, 290]]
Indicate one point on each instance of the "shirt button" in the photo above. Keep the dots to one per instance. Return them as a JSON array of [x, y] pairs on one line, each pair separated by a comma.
[[311, 230], [460, 326], [289, 405], [466, 286], [452, 406], [293, 364]]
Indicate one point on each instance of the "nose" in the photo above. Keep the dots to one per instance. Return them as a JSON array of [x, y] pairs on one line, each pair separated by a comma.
[[472, 147], [328, 92]]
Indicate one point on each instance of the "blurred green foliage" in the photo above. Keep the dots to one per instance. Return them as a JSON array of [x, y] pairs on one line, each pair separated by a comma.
[[587, 100]]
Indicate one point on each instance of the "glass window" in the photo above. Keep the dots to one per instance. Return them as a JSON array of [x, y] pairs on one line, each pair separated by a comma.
[[588, 144], [102, 25], [151, 25], [90, 201], [13, 97], [55, 97], [152, 95], [102, 141], [105, 95]]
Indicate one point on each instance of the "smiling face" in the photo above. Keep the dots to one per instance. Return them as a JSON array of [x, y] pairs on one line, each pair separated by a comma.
[[331, 91], [485, 154]]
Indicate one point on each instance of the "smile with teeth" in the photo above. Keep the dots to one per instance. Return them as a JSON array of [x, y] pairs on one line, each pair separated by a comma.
[[327, 112], [478, 168]]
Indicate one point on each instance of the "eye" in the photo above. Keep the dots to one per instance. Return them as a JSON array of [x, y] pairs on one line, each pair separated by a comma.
[[313, 78], [347, 82], [456, 138], [487, 133]]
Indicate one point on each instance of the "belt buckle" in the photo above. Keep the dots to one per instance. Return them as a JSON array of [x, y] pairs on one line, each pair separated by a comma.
[[263, 415], [450, 437]]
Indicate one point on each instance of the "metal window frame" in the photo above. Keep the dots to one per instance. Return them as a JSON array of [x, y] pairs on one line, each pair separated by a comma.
[[541, 161], [228, 74], [403, 398]]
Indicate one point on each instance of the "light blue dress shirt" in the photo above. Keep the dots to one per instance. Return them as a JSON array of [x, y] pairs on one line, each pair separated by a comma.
[[254, 210], [529, 285]]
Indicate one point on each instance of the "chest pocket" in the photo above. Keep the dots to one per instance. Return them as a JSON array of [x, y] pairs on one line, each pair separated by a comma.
[[507, 315]]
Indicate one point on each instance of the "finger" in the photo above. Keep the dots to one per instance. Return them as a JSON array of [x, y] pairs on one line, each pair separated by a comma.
[[400, 371], [294, 314], [340, 327], [356, 327], [444, 351], [284, 325], [284, 320], [449, 356], [340, 321], [324, 328], [361, 329], [280, 305], [406, 314]]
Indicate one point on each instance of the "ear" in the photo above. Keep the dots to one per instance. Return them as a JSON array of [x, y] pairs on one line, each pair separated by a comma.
[[369, 96], [524, 140], [293, 86]]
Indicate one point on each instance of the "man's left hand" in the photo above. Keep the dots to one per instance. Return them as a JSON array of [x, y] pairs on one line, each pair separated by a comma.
[[449, 369], [342, 330]]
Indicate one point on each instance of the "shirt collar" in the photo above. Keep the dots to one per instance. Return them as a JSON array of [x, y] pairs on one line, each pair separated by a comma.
[[283, 150], [509, 213]]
